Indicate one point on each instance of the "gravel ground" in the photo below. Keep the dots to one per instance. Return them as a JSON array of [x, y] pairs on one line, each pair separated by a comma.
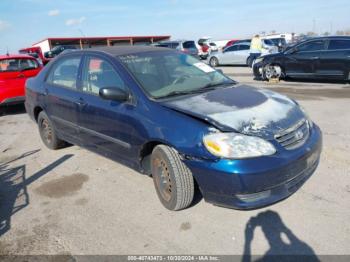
[[73, 201]]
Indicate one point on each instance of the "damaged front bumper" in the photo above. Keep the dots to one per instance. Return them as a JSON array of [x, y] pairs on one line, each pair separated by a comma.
[[257, 182]]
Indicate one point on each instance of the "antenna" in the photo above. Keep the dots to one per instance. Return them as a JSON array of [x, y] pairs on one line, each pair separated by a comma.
[[82, 33], [7, 51]]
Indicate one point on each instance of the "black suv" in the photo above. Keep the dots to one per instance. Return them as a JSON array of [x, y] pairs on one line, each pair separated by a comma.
[[57, 50], [321, 57]]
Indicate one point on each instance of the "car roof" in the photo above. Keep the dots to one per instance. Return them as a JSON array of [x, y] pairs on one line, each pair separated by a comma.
[[128, 50], [15, 56], [327, 37]]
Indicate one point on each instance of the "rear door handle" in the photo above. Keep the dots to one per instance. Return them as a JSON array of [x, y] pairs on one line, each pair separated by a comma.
[[80, 102], [21, 76], [315, 57]]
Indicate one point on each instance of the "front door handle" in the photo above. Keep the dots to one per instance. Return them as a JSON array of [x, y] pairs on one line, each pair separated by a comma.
[[21, 76], [315, 57]]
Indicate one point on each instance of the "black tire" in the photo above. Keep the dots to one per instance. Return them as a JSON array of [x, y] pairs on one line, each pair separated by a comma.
[[172, 178], [47, 132], [250, 61], [213, 62]]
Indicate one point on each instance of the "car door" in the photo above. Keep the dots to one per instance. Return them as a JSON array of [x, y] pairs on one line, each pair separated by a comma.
[[242, 54], [62, 97], [105, 126], [29, 68], [228, 55], [304, 60], [335, 61]]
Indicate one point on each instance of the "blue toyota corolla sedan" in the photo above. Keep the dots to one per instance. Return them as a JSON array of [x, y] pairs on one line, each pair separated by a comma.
[[170, 116]]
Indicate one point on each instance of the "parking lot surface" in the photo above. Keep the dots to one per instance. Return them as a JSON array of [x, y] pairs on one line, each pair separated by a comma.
[[72, 201]]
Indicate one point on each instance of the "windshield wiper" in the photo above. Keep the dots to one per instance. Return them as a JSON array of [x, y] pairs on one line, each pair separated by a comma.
[[209, 86], [178, 93], [213, 86]]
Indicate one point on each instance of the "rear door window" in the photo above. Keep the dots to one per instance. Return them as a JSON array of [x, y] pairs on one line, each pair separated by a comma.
[[244, 47], [339, 44], [65, 72], [316, 45]]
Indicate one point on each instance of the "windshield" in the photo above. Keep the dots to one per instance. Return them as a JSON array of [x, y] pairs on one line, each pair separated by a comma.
[[163, 74], [278, 41], [9, 65], [268, 42]]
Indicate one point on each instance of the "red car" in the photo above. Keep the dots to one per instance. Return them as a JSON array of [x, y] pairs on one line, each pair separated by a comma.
[[14, 71], [231, 42]]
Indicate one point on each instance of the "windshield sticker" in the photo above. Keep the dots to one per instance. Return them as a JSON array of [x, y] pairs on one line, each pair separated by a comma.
[[204, 67]]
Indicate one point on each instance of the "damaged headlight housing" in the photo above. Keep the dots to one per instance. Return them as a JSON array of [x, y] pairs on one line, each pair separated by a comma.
[[237, 146], [258, 60], [306, 116]]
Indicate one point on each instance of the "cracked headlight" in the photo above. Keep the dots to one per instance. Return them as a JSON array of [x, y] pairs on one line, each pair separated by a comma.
[[258, 60], [237, 146]]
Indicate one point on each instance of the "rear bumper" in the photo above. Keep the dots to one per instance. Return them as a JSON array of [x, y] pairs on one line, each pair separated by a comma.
[[12, 100], [254, 183]]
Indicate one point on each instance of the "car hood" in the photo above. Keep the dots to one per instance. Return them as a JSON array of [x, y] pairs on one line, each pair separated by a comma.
[[243, 109], [268, 56]]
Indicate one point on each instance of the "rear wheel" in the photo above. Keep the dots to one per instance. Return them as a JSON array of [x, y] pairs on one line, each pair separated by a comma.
[[47, 132], [249, 61], [214, 62], [172, 178]]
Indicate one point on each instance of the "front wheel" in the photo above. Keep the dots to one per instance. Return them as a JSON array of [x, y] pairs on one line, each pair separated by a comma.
[[214, 62], [270, 72], [172, 178]]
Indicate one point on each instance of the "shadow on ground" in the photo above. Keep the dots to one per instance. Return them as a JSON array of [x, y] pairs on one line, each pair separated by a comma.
[[283, 244], [12, 110], [13, 187]]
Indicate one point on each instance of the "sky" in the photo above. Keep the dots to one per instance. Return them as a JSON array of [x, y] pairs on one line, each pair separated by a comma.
[[24, 22]]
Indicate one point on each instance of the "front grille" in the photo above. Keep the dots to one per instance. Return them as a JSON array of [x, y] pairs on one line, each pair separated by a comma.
[[294, 136]]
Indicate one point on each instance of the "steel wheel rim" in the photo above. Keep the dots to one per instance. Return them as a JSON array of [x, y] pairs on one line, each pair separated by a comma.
[[46, 130], [163, 179]]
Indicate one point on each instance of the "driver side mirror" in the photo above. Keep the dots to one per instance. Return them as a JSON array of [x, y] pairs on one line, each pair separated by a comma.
[[114, 93]]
